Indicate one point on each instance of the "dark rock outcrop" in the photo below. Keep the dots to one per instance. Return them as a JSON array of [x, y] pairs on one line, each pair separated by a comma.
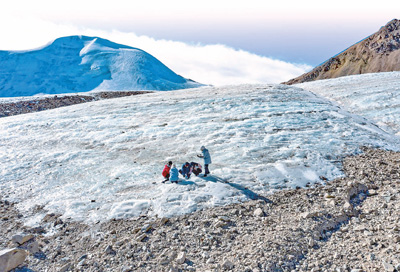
[[377, 53]]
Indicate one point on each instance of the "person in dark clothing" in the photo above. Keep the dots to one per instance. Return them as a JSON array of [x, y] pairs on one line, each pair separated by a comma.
[[186, 170], [196, 168]]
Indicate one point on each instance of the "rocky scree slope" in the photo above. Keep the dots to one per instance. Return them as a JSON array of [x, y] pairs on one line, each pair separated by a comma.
[[39, 103], [377, 53]]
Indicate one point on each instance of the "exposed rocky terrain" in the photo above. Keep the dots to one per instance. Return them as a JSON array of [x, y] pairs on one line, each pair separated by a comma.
[[349, 224], [47, 103], [377, 53]]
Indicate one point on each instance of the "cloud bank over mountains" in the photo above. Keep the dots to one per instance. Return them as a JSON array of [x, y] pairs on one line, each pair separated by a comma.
[[214, 64]]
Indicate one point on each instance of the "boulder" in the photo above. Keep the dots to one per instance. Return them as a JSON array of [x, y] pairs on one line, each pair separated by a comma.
[[65, 268], [354, 190], [109, 250], [33, 247], [22, 238], [11, 258], [180, 259], [258, 212], [146, 228], [387, 266], [141, 237], [228, 265]]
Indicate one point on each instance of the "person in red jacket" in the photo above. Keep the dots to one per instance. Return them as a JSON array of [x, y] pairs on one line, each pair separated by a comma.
[[166, 170]]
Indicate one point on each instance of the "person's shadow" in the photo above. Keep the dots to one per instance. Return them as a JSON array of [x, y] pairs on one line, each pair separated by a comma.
[[23, 269], [186, 182], [244, 190]]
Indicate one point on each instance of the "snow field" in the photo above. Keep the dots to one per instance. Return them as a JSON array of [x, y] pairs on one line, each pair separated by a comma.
[[103, 159], [374, 96]]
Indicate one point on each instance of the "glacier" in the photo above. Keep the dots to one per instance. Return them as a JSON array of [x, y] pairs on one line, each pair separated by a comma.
[[103, 159]]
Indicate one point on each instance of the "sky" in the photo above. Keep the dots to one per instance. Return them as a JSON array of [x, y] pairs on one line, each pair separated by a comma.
[[188, 36]]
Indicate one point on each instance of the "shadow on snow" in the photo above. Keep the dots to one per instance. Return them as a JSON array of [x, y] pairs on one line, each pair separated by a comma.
[[244, 190]]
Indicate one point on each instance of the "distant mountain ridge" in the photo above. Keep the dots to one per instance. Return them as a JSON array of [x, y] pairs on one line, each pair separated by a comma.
[[377, 53], [81, 64]]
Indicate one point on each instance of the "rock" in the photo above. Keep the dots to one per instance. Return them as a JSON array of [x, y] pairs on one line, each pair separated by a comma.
[[210, 260], [372, 257], [84, 256], [172, 256], [220, 224], [228, 265], [126, 269], [347, 206], [33, 247], [359, 228], [81, 263], [355, 189], [109, 250], [180, 259], [387, 198], [164, 261], [372, 192], [258, 212], [311, 243], [11, 258], [163, 221], [387, 266], [22, 238], [146, 228], [141, 237], [173, 269], [224, 218], [64, 268], [39, 230], [309, 215]]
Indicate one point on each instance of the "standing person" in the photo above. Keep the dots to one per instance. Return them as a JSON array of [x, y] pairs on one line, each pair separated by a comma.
[[174, 174], [207, 159], [166, 170]]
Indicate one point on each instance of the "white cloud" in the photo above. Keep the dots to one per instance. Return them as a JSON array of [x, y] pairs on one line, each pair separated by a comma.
[[210, 64]]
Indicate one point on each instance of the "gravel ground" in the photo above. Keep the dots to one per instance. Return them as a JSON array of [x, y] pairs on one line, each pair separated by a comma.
[[46, 103], [349, 224]]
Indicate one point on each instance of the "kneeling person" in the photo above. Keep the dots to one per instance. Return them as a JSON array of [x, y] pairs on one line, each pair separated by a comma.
[[196, 168], [186, 170]]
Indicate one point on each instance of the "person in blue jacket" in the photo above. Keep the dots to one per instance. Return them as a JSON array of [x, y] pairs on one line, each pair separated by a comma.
[[174, 174], [186, 170], [207, 159]]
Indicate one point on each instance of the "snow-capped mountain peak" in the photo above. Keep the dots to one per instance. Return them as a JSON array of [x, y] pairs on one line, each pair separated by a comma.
[[81, 64]]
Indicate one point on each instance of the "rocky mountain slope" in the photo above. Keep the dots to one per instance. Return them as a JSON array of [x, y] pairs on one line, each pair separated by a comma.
[[377, 53], [80, 64]]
